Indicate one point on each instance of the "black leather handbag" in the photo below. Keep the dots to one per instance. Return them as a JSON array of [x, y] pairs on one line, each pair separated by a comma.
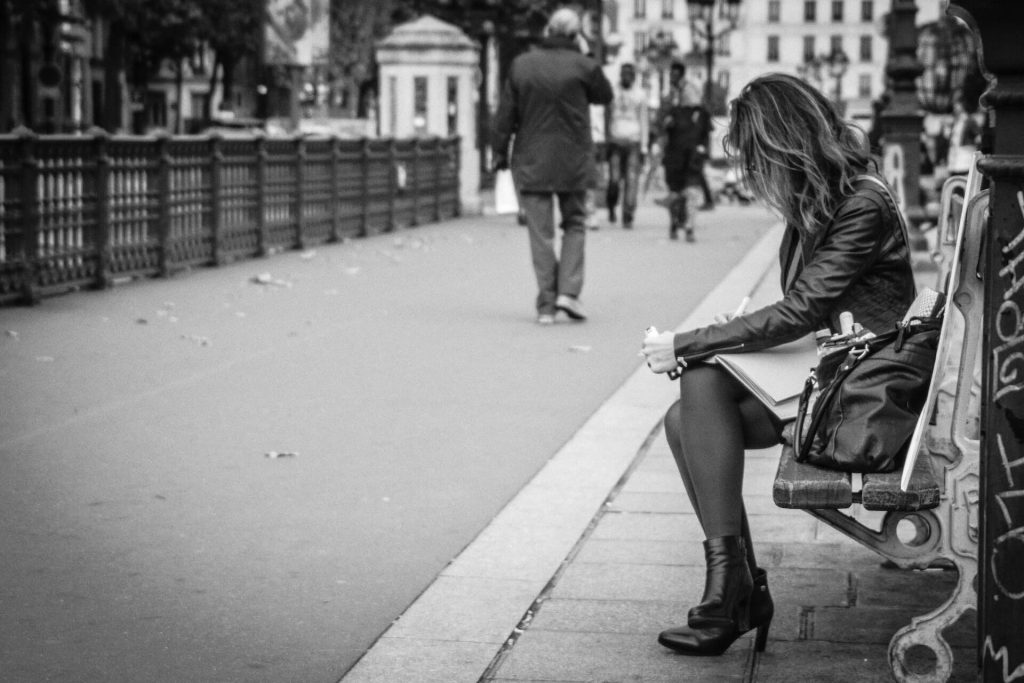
[[860, 415]]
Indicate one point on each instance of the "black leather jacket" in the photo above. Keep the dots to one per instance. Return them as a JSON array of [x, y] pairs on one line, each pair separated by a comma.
[[860, 264]]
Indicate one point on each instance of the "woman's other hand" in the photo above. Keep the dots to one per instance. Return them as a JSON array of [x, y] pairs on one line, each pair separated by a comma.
[[660, 352]]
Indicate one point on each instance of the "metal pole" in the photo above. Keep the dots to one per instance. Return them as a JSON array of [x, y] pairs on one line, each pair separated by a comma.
[[1001, 508], [902, 119]]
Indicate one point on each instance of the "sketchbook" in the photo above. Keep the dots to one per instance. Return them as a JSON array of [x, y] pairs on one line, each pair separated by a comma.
[[775, 376]]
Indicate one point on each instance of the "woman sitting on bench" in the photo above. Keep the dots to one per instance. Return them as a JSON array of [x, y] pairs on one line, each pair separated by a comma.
[[843, 250]]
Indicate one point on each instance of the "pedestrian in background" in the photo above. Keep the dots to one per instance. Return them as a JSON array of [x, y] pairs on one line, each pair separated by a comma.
[[628, 130], [543, 129], [843, 250], [964, 137], [683, 139]]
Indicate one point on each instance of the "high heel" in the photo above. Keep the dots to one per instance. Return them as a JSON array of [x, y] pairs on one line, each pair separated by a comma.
[[711, 642], [727, 586]]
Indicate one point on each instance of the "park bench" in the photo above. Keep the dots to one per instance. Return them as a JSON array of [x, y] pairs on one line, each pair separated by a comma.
[[930, 508]]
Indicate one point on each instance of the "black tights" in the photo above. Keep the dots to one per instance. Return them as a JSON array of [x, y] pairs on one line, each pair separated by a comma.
[[708, 429]]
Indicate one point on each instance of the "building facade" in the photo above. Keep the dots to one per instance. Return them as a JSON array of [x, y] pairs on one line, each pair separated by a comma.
[[790, 36]]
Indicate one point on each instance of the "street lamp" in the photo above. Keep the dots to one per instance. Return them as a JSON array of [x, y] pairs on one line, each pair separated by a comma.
[[835, 65], [703, 15], [946, 51]]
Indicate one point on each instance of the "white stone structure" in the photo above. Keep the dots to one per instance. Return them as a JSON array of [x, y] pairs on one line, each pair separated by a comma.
[[429, 71]]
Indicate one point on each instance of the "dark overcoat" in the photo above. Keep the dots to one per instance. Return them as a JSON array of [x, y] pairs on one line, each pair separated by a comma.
[[543, 120]]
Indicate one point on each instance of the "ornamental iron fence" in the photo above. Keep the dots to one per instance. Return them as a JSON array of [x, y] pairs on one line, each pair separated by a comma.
[[89, 211]]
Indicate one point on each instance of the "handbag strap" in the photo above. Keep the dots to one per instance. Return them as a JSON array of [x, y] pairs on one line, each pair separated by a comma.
[[892, 200]]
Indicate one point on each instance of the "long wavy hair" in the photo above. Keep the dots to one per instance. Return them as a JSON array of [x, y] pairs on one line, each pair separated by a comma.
[[794, 149]]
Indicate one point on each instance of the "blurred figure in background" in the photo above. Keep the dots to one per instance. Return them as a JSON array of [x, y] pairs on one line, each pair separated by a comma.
[[684, 134], [542, 128], [964, 136], [628, 130]]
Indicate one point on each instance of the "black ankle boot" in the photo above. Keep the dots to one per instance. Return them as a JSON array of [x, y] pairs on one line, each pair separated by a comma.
[[727, 586], [710, 642]]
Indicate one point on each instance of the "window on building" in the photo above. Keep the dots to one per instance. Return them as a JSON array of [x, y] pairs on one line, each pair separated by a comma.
[[393, 96], [639, 42], [453, 105], [864, 86], [867, 10], [835, 44], [808, 48], [639, 8], [810, 11], [773, 48], [668, 9], [865, 48], [155, 104], [722, 46], [419, 102], [837, 11], [774, 11]]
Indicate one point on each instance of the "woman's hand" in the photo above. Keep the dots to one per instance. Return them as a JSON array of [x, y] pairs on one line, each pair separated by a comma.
[[659, 350]]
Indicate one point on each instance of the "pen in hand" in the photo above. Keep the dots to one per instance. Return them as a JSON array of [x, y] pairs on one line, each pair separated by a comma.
[[741, 309]]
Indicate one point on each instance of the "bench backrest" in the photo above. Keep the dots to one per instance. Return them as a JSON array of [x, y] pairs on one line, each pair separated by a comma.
[[958, 360]]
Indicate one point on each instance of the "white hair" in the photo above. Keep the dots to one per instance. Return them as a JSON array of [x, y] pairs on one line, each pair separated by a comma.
[[564, 22]]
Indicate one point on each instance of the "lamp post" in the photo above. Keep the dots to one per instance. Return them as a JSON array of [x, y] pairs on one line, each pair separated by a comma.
[[835, 64], [703, 15], [902, 120], [946, 51]]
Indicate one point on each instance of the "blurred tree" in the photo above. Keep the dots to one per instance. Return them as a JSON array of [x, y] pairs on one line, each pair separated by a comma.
[[355, 26], [232, 29]]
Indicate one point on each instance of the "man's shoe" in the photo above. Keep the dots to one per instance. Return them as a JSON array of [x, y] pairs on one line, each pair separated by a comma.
[[611, 215], [689, 236], [570, 306], [707, 206], [545, 319], [627, 225]]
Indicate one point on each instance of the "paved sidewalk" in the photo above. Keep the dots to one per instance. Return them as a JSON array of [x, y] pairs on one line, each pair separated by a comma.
[[576, 576]]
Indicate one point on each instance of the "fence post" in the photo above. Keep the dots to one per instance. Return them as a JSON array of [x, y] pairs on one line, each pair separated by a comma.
[[162, 153], [335, 202], [392, 182], [364, 162], [30, 212], [216, 157], [262, 237], [300, 178], [104, 246]]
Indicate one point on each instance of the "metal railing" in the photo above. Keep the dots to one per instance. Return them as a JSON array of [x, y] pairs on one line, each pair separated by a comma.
[[88, 211]]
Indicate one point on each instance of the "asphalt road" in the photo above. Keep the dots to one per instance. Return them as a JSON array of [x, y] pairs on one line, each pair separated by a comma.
[[147, 535]]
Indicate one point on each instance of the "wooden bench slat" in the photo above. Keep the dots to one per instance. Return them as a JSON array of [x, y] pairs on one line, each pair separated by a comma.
[[882, 491], [803, 486]]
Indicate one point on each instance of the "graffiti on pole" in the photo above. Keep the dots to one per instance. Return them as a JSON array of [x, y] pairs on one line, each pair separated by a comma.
[[1004, 597]]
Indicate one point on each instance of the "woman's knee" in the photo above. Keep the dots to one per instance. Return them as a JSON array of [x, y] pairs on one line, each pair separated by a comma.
[[673, 423]]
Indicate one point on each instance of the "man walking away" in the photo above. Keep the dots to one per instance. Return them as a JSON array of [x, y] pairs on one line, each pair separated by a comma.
[[544, 121], [628, 132]]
